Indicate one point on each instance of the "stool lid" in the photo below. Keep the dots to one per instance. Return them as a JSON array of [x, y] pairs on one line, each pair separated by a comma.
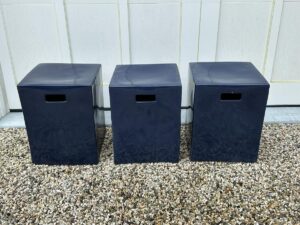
[[61, 74], [146, 75], [226, 73]]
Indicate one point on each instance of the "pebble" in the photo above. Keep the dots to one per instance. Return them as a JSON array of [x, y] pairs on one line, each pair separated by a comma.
[[266, 192]]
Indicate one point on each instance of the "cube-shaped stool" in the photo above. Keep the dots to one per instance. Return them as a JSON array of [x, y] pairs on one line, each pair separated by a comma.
[[145, 111], [229, 102], [59, 103]]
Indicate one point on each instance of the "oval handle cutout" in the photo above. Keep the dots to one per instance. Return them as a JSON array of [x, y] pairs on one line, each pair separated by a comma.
[[55, 98], [231, 96], [145, 98]]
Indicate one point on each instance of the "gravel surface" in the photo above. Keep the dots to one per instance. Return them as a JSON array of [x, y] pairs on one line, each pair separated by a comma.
[[267, 192]]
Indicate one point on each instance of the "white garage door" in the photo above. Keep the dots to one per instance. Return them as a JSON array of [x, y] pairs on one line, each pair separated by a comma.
[[112, 32]]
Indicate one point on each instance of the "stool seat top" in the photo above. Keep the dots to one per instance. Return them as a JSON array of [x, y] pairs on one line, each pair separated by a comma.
[[226, 73], [61, 74], [146, 75]]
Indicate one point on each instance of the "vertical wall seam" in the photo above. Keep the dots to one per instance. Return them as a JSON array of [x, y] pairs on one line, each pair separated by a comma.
[[199, 30], [128, 27], [217, 40], [124, 36], [209, 25], [268, 36], [7, 44], [62, 31], [57, 28], [180, 31], [120, 32], [129, 36], [268, 65], [68, 31]]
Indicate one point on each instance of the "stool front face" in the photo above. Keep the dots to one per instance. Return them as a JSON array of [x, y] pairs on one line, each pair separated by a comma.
[[146, 123], [60, 125]]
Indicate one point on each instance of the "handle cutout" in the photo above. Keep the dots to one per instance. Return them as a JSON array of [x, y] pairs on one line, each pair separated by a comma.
[[231, 96], [145, 98], [55, 98]]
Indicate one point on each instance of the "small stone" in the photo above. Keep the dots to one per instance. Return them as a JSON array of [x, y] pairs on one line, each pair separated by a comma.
[[266, 192]]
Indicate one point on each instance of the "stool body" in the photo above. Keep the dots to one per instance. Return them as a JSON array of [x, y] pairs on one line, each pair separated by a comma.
[[145, 106], [229, 101], [58, 102]]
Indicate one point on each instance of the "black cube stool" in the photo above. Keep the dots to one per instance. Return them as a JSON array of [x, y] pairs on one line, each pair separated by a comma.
[[145, 112], [229, 102], [58, 102]]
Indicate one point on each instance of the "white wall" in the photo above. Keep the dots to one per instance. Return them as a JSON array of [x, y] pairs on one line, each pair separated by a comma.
[[110, 32]]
